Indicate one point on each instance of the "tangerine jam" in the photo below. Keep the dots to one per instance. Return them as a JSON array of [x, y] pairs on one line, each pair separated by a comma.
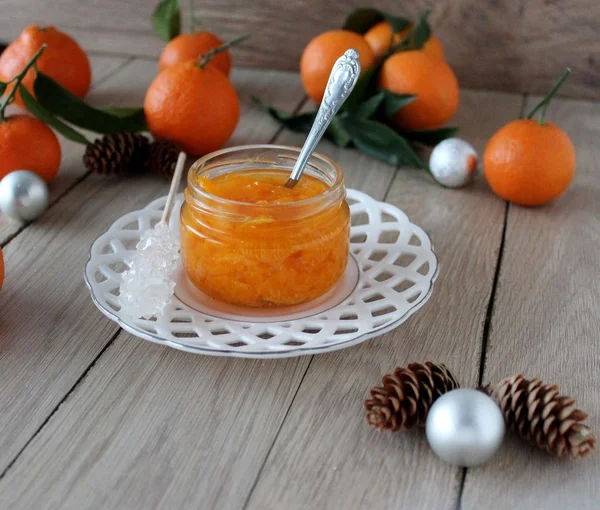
[[248, 240]]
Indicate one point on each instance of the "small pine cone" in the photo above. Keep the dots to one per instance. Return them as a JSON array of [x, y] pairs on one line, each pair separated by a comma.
[[117, 154], [540, 415], [406, 395], [162, 157]]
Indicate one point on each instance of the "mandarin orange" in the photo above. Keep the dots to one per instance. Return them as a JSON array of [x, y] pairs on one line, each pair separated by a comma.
[[28, 144], [380, 39], [321, 53], [430, 79], [529, 163], [63, 60], [190, 47], [195, 107]]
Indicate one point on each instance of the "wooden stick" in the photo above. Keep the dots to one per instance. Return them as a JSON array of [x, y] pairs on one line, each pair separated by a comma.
[[174, 187]]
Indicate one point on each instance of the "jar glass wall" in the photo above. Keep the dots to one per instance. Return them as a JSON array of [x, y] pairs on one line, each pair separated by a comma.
[[264, 254]]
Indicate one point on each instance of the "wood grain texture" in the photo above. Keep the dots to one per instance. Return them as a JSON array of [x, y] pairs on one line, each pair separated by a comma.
[[546, 324], [326, 456], [71, 168], [50, 330], [502, 45], [50, 333], [153, 428], [148, 427]]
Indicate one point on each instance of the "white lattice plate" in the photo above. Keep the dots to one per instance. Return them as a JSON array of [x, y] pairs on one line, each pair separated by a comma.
[[390, 275]]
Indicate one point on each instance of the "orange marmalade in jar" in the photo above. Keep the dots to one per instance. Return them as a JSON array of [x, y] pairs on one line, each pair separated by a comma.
[[248, 240]]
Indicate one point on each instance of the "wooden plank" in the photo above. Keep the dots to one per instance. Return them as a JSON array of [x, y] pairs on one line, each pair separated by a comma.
[[54, 336], [326, 456], [180, 425], [141, 389], [546, 324], [154, 428], [51, 349], [500, 45], [103, 67], [71, 168]]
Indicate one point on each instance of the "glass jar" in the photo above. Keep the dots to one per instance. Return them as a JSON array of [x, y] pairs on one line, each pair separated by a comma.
[[264, 255]]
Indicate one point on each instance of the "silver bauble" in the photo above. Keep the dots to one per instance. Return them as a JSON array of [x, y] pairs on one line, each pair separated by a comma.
[[453, 162], [23, 195], [465, 427]]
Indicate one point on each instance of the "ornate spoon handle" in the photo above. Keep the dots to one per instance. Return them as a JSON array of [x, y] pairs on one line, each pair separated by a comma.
[[341, 81]]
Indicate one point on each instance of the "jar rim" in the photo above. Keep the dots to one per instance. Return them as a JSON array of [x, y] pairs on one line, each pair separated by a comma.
[[331, 191]]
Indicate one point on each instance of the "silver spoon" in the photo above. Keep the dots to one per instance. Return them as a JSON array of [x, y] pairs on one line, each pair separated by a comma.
[[341, 81]]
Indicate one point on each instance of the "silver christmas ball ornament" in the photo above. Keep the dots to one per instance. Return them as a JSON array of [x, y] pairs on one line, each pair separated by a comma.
[[465, 427], [23, 195], [453, 162]]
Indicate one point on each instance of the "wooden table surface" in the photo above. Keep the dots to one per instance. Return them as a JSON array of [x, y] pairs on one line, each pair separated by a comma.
[[92, 417]]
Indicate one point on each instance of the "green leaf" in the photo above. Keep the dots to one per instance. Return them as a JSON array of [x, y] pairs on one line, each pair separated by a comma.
[[134, 121], [393, 102], [383, 105], [398, 23], [362, 19], [59, 101], [382, 142], [2, 87], [368, 108], [166, 19], [421, 31], [300, 123], [39, 112], [364, 88], [433, 136], [121, 111], [337, 133]]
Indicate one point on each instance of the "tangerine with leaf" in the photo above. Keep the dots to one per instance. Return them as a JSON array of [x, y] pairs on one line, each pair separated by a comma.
[[190, 46], [430, 79], [63, 60], [193, 105], [26, 142], [320, 55], [381, 39], [531, 161]]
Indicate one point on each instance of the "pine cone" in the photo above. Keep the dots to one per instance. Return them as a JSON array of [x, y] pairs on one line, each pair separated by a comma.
[[117, 154], [539, 414], [405, 397], [162, 157]]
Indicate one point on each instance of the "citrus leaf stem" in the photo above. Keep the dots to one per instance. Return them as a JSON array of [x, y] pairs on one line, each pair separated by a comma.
[[544, 103], [18, 79], [205, 58]]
